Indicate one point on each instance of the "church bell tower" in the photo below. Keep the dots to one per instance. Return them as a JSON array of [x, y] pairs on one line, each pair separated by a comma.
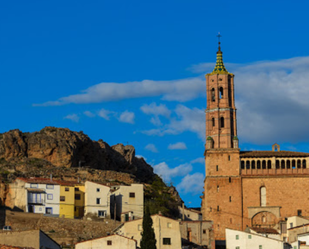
[[221, 200]]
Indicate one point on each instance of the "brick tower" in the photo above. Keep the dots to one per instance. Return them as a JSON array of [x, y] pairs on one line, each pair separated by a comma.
[[222, 199]]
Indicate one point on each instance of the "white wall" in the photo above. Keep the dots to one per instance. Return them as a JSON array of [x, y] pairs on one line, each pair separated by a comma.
[[125, 203], [296, 221], [117, 242], [244, 242], [94, 191]]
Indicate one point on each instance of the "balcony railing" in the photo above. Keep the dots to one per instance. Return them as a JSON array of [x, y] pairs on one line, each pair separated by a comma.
[[296, 171]]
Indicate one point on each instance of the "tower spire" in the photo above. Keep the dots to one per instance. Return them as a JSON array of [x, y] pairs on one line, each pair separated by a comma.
[[219, 68]]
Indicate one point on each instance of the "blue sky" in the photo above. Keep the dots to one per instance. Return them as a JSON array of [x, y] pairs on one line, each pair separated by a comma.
[[132, 72]]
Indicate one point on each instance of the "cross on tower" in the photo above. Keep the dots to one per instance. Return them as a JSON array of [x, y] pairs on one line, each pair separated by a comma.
[[219, 36]]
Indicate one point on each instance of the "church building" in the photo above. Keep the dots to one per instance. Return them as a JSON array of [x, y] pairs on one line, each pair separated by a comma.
[[246, 188]]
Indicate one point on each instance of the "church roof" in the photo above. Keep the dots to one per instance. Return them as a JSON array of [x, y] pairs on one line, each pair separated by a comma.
[[245, 154]]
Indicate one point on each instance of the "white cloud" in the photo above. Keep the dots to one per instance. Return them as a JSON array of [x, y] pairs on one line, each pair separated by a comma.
[[192, 184], [140, 156], [103, 113], [174, 90], [177, 146], [152, 148], [186, 120], [127, 117], [198, 160], [168, 173], [156, 121], [89, 114], [155, 109], [72, 117]]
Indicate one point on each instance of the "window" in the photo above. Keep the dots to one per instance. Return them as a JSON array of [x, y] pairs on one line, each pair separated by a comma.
[[49, 210], [166, 241], [76, 189], [217, 168], [139, 227], [98, 189], [132, 195], [231, 221], [230, 179], [218, 188], [169, 225], [260, 247], [49, 196], [222, 122], [230, 199], [98, 200], [204, 231], [109, 242], [291, 224], [242, 165], [249, 236], [237, 247], [49, 186], [263, 196], [218, 208], [213, 95], [101, 213], [213, 122], [299, 212], [62, 198], [237, 237], [220, 92], [77, 196], [33, 185], [229, 158], [67, 189]]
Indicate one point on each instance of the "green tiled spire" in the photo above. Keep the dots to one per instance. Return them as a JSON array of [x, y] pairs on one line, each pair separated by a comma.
[[219, 68]]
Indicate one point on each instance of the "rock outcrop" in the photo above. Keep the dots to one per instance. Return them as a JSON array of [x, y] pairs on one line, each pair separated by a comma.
[[64, 148]]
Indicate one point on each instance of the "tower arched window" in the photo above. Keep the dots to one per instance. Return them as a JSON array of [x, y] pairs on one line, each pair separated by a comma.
[[242, 165], [269, 164], [213, 95], [293, 164], [282, 164], [247, 164], [222, 122], [298, 164], [263, 164], [304, 164], [221, 92], [277, 164], [213, 122], [263, 196], [288, 164]]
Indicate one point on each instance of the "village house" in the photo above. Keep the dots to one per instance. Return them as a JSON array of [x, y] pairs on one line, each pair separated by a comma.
[[79, 200], [197, 234], [36, 195], [97, 199], [243, 240], [111, 241], [128, 201], [36, 239], [190, 213], [167, 231]]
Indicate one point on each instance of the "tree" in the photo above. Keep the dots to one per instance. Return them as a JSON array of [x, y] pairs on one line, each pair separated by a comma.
[[148, 240]]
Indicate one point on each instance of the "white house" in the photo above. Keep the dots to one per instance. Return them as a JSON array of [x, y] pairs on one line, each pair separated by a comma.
[[128, 201], [36, 195], [167, 231], [112, 241], [97, 199], [242, 240]]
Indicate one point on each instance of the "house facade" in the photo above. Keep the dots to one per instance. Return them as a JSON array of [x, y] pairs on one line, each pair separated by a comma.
[[112, 241], [243, 240], [167, 231], [97, 199], [36, 195], [127, 201]]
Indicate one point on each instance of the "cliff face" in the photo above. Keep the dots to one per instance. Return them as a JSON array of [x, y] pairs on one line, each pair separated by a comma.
[[65, 148]]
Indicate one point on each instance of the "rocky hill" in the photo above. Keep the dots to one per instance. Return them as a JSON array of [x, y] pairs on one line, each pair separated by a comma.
[[64, 148], [69, 155]]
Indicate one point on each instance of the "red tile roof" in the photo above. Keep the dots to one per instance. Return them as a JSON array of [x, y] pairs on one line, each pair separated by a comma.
[[264, 230]]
